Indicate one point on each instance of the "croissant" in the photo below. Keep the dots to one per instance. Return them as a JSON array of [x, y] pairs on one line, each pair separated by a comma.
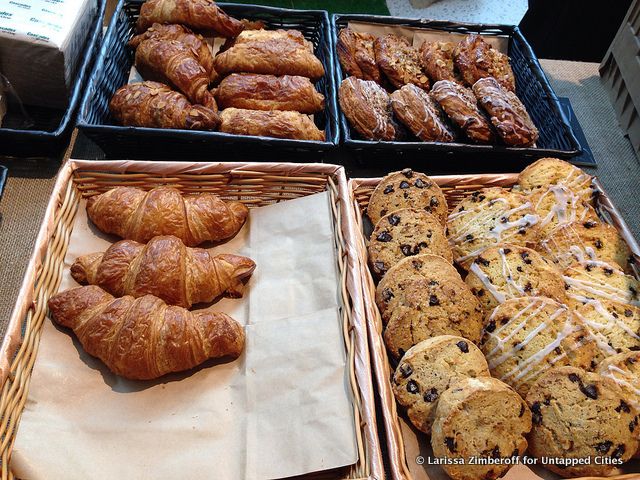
[[134, 214], [164, 267], [170, 61], [154, 105], [144, 338], [198, 14], [186, 37], [275, 123]]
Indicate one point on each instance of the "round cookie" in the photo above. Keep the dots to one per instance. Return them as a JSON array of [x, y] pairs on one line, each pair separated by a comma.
[[422, 297], [526, 336], [407, 189], [559, 205], [509, 271], [551, 171], [598, 280], [583, 241], [404, 233], [579, 415], [488, 217], [480, 417], [614, 326], [431, 367], [624, 370]]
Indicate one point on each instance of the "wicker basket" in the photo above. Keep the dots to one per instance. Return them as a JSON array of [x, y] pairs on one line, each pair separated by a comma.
[[52, 129], [256, 184], [556, 137], [112, 71], [455, 187]]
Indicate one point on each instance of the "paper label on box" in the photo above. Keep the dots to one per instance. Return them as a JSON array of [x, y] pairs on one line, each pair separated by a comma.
[[46, 22]]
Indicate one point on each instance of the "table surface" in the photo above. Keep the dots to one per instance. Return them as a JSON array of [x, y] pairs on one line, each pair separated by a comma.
[[30, 181]]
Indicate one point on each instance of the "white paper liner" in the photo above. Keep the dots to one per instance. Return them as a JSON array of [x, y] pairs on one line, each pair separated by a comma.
[[282, 409]]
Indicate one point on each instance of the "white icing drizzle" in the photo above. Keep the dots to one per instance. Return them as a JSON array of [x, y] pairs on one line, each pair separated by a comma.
[[598, 289], [564, 208], [496, 334], [508, 276], [475, 269], [628, 380]]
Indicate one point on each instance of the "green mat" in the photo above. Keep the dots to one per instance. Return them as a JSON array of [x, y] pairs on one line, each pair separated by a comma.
[[374, 7]]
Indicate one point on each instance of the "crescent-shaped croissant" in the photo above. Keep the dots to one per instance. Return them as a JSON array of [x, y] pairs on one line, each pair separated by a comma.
[[144, 338], [134, 214], [198, 14], [172, 62], [166, 268]]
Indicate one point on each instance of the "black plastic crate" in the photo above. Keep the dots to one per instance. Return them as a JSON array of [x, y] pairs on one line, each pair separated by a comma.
[[112, 71], [532, 87], [3, 179], [52, 128]]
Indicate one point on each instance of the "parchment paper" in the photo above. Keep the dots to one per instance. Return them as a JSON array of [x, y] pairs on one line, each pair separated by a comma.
[[419, 35], [283, 408]]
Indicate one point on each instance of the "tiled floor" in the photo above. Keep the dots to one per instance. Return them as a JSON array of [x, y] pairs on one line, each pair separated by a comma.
[[508, 12]]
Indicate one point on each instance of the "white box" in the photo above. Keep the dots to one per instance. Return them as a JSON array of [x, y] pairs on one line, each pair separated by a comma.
[[41, 45]]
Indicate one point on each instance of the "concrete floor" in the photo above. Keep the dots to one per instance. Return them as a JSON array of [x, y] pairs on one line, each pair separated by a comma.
[[508, 12]]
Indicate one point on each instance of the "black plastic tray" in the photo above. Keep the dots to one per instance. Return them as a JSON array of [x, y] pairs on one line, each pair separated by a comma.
[[532, 87], [112, 70], [3, 179], [52, 128]]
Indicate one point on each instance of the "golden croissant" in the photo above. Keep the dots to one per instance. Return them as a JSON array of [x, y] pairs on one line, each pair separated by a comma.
[[166, 268], [138, 215], [183, 35], [172, 62], [198, 14], [144, 338]]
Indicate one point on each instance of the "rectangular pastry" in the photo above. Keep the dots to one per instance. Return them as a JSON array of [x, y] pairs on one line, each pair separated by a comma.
[[279, 124]]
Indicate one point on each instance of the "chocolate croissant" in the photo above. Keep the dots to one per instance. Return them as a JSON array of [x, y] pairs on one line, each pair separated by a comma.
[[144, 338], [268, 92], [155, 105], [183, 35], [138, 215], [166, 268], [270, 52], [276, 123], [198, 14], [170, 61]]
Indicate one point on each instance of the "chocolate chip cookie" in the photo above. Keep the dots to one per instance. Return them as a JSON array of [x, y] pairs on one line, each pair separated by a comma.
[[559, 205], [597, 280], [547, 172], [407, 189], [624, 370], [526, 336], [420, 114], [431, 367], [460, 105], [399, 61], [480, 417], [585, 241], [405, 233], [422, 297], [577, 414], [488, 217], [510, 271]]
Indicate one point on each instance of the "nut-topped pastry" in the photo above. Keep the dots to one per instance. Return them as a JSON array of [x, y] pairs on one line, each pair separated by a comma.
[[436, 59], [399, 61], [508, 114], [461, 106], [476, 59], [368, 108], [420, 114], [357, 56]]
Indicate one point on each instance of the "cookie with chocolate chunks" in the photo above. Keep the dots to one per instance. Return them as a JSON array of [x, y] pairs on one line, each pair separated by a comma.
[[407, 189], [581, 415], [510, 271], [526, 336], [431, 367], [422, 297], [548, 172], [624, 370], [480, 418], [405, 233]]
